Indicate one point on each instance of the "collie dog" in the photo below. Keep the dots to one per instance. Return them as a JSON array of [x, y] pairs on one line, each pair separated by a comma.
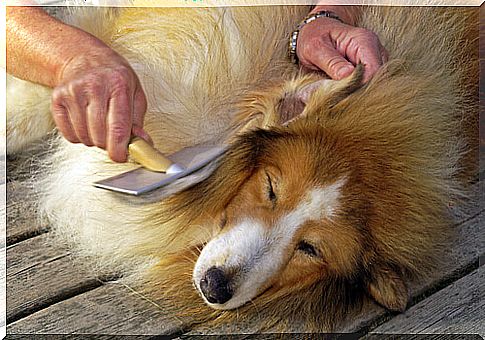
[[330, 194]]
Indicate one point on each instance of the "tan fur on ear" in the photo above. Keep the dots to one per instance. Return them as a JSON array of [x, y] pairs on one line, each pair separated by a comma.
[[330, 95], [388, 289], [289, 108], [270, 107]]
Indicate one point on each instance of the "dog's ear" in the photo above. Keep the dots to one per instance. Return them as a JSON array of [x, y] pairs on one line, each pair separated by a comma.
[[334, 93], [274, 106], [387, 287], [285, 103]]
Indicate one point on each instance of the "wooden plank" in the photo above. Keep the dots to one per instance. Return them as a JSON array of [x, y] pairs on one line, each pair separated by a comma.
[[48, 292], [110, 309], [39, 274], [22, 220], [459, 308]]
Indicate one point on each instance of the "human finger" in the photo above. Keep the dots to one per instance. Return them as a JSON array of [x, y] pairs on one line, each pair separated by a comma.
[[139, 109], [140, 132], [369, 52], [96, 120], [328, 59], [61, 117], [119, 124], [372, 61], [77, 106]]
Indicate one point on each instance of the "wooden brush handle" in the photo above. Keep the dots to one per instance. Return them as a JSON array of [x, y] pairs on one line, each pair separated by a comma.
[[147, 156]]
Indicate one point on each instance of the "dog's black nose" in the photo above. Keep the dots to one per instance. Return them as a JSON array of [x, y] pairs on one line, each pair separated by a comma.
[[215, 286]]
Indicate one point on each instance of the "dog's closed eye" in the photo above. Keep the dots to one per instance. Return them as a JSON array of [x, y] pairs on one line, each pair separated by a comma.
[[307, 248], [271, 194]]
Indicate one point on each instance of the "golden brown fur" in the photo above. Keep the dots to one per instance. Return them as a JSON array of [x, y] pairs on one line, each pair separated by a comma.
[[397, 141]]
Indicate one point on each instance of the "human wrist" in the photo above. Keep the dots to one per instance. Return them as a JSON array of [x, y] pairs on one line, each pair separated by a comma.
[[348, 14]]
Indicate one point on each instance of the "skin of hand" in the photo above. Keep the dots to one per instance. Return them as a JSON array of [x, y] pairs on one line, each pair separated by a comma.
[[334, 47], [99, 102], [97, 98]]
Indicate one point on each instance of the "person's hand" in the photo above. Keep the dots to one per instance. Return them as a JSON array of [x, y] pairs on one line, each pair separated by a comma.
[[100, 102], [336, 48]]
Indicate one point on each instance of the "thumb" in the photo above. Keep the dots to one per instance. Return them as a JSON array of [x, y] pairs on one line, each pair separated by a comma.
[[329, 60]]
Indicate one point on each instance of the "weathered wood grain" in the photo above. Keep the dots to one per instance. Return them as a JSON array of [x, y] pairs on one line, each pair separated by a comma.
[[459, 308], [81, 319], [110, 309], [22, 219], [49, 292], [40, 273]]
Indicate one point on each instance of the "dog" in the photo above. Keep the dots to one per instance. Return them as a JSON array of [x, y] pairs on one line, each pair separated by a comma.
[[331, 193]]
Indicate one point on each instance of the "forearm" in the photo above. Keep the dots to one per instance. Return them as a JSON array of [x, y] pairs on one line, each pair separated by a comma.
[[348, 14], [40, 46]]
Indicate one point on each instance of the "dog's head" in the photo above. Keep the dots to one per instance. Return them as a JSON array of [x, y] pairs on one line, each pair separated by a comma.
[[292, 205]]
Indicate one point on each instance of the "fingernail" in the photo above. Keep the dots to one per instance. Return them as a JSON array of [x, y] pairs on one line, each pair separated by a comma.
[[344, 71]]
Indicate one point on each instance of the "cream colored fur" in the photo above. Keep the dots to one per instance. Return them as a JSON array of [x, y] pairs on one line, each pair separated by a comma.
[[29, 118]]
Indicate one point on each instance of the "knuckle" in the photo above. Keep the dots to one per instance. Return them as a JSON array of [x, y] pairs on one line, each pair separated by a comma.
[[333, 62], [59, 94], [119, 131], [99, 143], [119, 88], [73, 87], [366, 34], [372, 36], [93, 85], [59, 115], [361, 31], [120, 75]]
